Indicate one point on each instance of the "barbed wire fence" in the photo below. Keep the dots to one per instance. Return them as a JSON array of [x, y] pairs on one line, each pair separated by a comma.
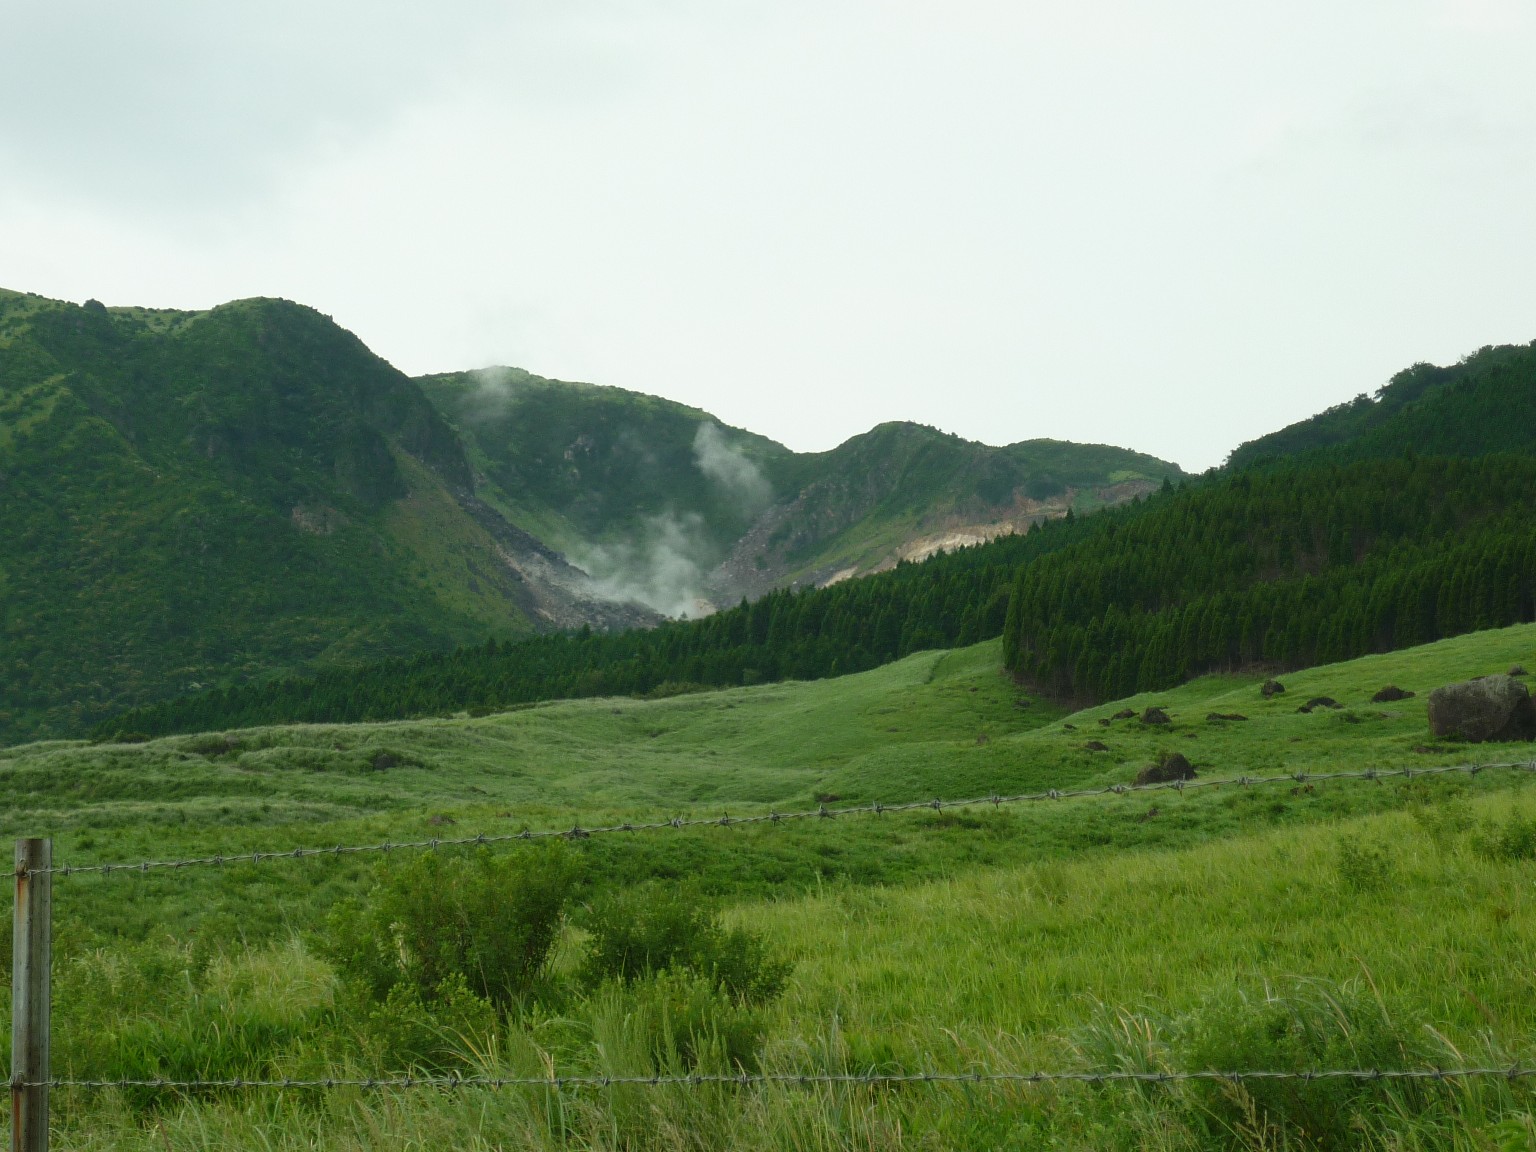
[[821, 812], [811, 1079], [30, 1074]]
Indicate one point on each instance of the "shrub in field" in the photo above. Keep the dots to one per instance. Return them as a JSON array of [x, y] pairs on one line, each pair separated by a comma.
[[650, 929], [1364, 867], [437, 923], [406, 1031], [1515, 839]]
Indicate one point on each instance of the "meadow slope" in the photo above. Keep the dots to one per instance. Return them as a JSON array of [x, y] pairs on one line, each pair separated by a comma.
[[1345, 924]]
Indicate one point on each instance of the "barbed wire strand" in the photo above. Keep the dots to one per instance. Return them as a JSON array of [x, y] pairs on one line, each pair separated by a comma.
[[577, 832], [749, 1079]]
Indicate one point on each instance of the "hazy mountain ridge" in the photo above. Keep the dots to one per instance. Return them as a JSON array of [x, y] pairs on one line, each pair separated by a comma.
[[664, 503], [903, 491]]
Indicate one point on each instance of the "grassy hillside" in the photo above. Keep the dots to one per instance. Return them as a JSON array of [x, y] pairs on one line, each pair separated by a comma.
[[1486, 403], [1345, 924], [200, 497], [662, 501]]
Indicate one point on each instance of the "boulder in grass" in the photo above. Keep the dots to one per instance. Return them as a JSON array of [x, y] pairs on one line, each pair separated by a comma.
[[1155, 715], [1518, 670], [1390, 693], [1496, 708], [1124, 714], [1319, 702], [1170, 766], [1271, 688], [1095, 746]]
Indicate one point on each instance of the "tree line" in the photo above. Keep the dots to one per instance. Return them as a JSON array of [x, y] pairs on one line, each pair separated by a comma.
[[1289, 566], [804, 634]]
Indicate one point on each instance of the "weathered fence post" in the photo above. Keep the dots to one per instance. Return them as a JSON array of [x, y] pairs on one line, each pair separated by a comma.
[[30, 963]]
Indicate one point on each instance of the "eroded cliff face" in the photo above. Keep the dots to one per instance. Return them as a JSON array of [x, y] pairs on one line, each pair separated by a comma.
[[765, 558]]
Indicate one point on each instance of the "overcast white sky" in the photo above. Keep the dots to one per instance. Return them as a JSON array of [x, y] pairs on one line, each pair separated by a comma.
[[1170, 226]]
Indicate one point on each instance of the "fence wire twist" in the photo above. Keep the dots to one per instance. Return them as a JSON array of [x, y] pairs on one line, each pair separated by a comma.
[[807, 1080], [822, 812]]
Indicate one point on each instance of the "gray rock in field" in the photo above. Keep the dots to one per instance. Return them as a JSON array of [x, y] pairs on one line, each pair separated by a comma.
[[1155, 715], [1271, 688], [1494, 708]]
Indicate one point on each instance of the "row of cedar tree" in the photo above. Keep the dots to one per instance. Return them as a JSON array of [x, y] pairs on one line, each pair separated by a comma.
[[1285, 564]]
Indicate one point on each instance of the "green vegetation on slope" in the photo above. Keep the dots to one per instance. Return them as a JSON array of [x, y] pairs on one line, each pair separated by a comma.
[[859, 505], [855, 625], [634, 486], [582, 465], [936, 723], [1486, 403], [1346, 924], [192, 498], [218, 497]]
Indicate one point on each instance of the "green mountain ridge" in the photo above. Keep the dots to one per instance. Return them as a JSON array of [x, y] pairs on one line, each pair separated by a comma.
[[203, 497], [667, 504], [1484, 403], [905, 491], [209, 498], [1348, 548]]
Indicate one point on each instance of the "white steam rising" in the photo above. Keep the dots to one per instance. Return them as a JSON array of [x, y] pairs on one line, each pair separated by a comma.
[[728, 466], [664, 569], [495, 389]]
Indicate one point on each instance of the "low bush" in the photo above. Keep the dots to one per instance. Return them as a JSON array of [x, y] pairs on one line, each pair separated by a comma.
[[690, 1021], [437, 922], [405, 1031], [1446, 822], [647, 930]]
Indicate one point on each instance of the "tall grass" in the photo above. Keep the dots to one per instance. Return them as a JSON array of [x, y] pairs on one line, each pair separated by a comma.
[[1256, 952]]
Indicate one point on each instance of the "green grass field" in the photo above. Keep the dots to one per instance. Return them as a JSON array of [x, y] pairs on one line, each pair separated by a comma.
[[1348, 924]]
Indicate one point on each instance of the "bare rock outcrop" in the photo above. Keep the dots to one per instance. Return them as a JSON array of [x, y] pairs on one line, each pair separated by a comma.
[[1496, 708]]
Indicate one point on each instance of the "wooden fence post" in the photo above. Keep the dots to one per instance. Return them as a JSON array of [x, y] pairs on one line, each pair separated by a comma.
[[30, 963]]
